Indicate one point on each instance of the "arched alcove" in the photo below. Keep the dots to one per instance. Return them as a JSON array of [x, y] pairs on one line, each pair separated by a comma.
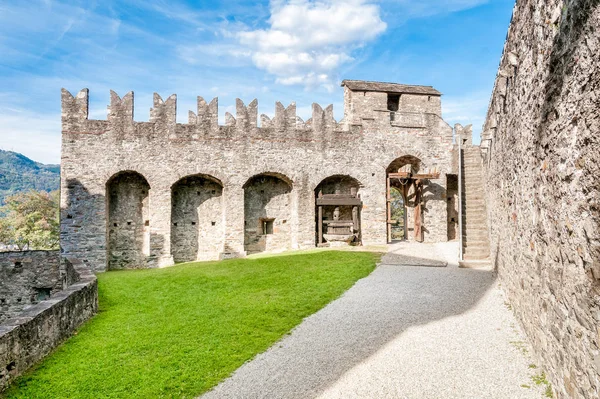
[[128, 221], [267, 213], [404, 198], [197, 227], [337, 211]]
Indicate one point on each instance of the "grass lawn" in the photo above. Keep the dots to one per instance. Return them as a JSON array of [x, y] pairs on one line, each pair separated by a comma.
[[177, 332]]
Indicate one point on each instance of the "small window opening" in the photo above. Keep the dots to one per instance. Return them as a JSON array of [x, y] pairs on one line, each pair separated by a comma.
[[193, 223], [43, 293], [11, 366], [214, 223], [267, 226], [18, 265], [69, 216], [393, 102], [262, 191], [214, 191], [198, 192], [115, 224], [128, 223], [147, 223], [2, 301], [175, 224]]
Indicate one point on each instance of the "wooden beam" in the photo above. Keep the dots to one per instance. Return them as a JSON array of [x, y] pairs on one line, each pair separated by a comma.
[[407, 175], [347, 201], [388, 196]]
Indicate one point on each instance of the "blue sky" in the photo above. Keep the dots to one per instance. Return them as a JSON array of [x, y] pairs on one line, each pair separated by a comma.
[[282, 50]]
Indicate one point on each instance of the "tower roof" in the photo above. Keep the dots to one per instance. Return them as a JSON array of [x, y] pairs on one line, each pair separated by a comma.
[[364, 85]]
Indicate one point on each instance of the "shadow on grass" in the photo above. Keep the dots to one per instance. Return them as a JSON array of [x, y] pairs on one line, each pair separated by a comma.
[[350, 330]]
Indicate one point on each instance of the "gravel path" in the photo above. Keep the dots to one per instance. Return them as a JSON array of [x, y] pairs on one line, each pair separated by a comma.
[[402, 332]]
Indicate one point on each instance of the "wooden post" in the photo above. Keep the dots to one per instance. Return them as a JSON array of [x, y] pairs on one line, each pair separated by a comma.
[[320, 225], [388, 210], [418, 199], [320, 221]]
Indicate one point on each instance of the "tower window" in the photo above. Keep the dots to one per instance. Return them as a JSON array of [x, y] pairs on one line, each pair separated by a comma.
[[393, 102]]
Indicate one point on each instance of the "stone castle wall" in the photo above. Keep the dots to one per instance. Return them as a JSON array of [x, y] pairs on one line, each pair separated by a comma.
[[286, 151], [27, 278], [541, 144], [33, 333]]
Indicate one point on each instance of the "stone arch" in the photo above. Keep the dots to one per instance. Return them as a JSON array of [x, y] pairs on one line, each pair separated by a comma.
[[128, 220], [409, 197], [197, 218], [343, 185], [404, 160], [268, 213]]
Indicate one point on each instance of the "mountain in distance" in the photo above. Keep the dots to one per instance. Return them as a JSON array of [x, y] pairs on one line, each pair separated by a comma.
[[19, 173]]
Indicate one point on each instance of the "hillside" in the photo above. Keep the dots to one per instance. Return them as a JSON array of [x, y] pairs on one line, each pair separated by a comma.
[[19, 173]]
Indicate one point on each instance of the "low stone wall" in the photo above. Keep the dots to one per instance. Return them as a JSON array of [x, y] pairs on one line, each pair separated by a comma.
[[27, 278], [27, 338]]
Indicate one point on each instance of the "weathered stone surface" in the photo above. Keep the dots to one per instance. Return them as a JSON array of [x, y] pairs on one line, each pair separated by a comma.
[[33, 333], [542, 154], [362, 147], [27, 278]]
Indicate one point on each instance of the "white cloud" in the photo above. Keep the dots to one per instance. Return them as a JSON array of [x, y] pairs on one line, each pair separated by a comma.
[[308, 40]]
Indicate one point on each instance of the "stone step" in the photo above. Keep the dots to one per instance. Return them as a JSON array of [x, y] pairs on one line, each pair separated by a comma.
[[475, 264], [476, 254], [475, 232], [474, 242]]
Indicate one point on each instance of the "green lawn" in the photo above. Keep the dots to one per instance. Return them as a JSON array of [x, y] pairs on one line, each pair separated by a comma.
[[177, 332]]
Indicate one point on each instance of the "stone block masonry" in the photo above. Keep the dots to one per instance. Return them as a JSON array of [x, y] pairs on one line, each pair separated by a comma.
[[27, 278], [28, 336], [148, 194], [541, 147]]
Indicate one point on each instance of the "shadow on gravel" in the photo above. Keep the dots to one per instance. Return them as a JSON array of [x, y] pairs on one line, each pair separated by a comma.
[[348, 331]]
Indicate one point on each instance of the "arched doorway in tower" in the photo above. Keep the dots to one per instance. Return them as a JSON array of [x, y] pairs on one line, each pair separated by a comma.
[[404, 197], [128, 221], [267, 213], [337, 211], [397, 216], [197, 226]]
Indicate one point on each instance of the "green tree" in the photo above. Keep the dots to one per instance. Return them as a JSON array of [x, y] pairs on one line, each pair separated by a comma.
[[30, 220]]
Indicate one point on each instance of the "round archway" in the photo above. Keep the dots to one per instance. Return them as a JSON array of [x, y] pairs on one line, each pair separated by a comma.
[[267, 213], [128, 221], [403, 199], [337, 211], [197, 226]]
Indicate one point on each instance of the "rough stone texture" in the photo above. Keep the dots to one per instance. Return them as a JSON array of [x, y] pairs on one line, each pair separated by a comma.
[[197, 219], [303, 154], [27, 278], [128, 214], [267, 214], [452, 205], [542, 157], [28, 337]]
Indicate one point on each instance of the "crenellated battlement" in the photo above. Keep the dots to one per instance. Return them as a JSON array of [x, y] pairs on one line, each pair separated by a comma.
[[205, 120], [219, 185]]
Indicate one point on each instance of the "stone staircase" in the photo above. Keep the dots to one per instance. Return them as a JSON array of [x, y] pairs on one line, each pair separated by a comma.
[[476, 244]]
